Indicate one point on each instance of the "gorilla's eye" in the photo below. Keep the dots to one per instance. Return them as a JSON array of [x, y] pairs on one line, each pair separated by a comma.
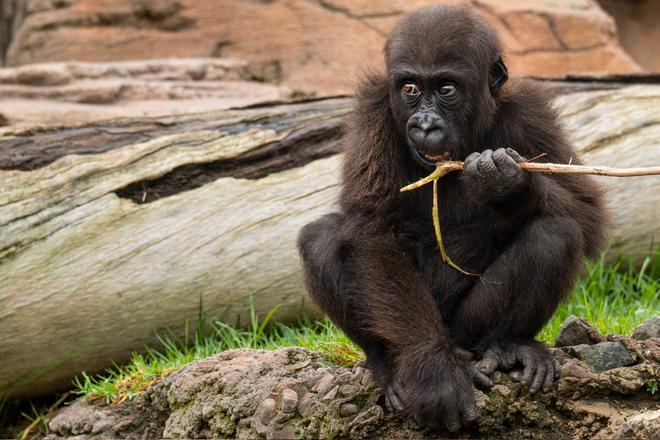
[[411, 89], [447, 90]]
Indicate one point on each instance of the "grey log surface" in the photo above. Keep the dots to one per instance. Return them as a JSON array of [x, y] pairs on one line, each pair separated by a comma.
[[114, 231]]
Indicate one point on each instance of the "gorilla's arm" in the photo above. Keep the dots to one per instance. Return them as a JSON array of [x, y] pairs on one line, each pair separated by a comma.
[[558, 220]]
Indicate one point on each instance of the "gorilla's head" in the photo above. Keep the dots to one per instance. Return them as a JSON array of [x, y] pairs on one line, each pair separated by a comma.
[[445, 70]]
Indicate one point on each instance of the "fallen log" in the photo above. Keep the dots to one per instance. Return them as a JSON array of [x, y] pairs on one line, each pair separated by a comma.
[[113, 231]]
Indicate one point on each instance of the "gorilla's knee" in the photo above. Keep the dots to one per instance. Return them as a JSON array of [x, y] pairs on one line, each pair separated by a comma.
[[318, 245], [557, 238], [317, 238]]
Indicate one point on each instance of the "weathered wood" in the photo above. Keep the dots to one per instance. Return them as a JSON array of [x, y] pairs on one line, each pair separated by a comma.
[[113, 231]]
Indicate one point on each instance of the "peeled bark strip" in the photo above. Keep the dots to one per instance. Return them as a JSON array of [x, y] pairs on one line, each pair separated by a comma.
[[113, 231], [294, 393]]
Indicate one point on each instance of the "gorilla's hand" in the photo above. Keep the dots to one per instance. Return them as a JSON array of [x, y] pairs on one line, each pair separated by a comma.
[[540, 370], [393, 392], [495, 175], [438, 393]]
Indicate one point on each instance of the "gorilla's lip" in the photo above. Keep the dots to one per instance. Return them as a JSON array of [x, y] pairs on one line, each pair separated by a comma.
[[439, 157], [429, 160]]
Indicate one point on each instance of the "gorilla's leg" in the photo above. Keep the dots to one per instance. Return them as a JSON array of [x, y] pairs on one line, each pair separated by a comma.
[[326, 272], [522, 288]]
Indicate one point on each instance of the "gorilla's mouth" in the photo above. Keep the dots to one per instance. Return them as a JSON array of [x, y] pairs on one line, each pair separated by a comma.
[[429, 160], [439, 157]]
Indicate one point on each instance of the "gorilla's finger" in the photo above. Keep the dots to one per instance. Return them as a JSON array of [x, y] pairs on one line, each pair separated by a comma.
[[470, 166], [557, 369], [549, 377], [469, 411], [530, 368], [480, 379], [505, 163], [489, 363], [395, 399], [508, 360], [388, 405], [396, 405], [515, 155], [452, 421], [486, 166], [539, 378]]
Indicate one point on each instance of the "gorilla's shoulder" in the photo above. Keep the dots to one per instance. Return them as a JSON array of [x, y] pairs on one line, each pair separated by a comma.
[[526, 103], [527, 93]]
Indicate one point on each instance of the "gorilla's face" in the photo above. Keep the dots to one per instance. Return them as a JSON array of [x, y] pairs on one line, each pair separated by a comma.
[[429, 107]]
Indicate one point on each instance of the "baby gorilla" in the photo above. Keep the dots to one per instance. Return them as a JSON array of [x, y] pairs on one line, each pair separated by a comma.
[[374, 266]]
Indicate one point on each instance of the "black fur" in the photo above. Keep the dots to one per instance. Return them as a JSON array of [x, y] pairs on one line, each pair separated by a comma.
[[374, 266]]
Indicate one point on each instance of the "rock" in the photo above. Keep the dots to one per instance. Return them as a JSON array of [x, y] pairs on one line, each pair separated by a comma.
[[602, 356], [576, 331], [635, 22], [249, 394], [312, 47], [77, 92], [648, 329], [289, 401], [643, 426], [348, 409]]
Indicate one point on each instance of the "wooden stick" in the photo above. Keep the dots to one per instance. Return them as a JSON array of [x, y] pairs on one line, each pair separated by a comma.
[[444, 168], [584, 169]]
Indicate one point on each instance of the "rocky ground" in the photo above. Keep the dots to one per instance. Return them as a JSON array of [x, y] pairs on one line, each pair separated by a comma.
[[607, 390]]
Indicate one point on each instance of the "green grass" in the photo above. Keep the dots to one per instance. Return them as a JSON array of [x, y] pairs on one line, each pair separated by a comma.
[[126, 381], [613, 299]]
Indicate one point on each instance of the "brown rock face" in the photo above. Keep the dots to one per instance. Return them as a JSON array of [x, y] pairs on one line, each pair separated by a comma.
[[79, 92], [637, 21], [312, 46]]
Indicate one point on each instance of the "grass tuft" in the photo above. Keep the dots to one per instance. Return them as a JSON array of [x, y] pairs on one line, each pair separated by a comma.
[[613, 299]]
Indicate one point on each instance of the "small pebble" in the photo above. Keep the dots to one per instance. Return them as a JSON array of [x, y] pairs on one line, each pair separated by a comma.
[[331, 394], [305, 406], [502, 390], [289, 401], [367, 378], [348, 409], [267, 410], [348, 390], [324, 384]]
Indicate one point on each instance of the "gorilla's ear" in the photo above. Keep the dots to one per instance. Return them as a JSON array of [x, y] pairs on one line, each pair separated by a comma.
[[498, 76]]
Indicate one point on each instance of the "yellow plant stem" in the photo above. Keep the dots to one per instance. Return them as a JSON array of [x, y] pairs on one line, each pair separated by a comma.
[[438, 234]]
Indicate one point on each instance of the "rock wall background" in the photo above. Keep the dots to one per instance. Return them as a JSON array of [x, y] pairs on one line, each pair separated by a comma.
[[320, 47]]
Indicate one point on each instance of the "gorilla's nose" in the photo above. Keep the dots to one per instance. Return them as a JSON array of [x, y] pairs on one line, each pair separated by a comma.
[[425, 130]]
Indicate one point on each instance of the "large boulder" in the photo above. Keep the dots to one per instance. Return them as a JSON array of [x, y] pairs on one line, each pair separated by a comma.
[[313, 47]]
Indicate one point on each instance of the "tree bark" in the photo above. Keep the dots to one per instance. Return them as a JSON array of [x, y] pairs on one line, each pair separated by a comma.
[[113, 231]]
